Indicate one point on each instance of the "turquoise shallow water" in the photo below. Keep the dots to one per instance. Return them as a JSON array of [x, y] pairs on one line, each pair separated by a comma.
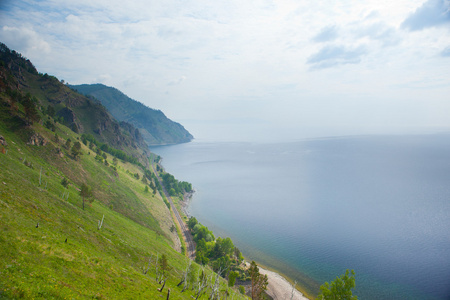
[[378, 205]]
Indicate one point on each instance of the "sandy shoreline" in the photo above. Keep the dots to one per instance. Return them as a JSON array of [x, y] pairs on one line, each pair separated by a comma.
[[279, 288]]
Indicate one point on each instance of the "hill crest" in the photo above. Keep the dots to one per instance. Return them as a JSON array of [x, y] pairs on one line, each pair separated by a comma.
[[153, 124]]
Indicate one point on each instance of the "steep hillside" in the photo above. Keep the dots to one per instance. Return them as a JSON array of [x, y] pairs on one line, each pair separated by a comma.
[[52, 248], [65, 106], [76, 222], [154, 126]]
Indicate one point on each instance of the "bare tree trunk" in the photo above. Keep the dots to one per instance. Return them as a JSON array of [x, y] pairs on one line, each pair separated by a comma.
[[202, 282], [156, 266], [100, 223], [161, 288], [215, 287], [185, 274], [148, 266]]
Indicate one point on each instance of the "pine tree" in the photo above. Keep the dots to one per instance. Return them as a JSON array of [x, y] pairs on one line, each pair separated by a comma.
[[259, 282], [85, 192]]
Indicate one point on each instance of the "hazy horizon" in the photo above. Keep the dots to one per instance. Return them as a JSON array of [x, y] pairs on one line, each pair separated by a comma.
[[261, 70]]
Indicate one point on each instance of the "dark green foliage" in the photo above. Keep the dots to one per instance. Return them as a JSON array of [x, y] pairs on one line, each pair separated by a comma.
[[154, 126], [119, 154], [201, 232], [84, 140], [242, 289], [232, 278], [224, 247], [175, 187], [106, 148], [8, 56], [192, 222], [85, 192], [51, 110], [259, 281], [222, 264], [219, 253], [164, 265], [238, 255], [340, 288], [76, 150], [201, 258], [31, 112], [74, 128], [50, 125], [68, 143], [99, 158], [65, 182]]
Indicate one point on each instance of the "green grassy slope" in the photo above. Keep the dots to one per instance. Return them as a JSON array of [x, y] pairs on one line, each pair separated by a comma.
[[100, 264], [50, 248]]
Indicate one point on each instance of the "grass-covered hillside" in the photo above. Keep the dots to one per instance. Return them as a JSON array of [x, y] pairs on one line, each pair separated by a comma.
[[121, 245]]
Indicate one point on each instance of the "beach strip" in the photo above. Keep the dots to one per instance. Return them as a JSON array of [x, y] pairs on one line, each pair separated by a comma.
[[279, 288]]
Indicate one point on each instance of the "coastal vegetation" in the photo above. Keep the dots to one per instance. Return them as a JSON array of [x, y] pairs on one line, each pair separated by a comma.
[[175, 187], [220, 253], [340, 288]]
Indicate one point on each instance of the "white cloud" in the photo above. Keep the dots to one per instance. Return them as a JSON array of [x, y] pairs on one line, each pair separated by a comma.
[[379, 31], [202, 61], [327, 34], [330, 56], [446, 52], [24, 38], [432, 13], [177, 81]]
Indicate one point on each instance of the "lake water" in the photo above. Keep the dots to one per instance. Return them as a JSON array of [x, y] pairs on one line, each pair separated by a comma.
[[311, 209]]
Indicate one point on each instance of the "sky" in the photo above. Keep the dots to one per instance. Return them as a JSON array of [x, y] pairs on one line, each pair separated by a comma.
[[252, 70]]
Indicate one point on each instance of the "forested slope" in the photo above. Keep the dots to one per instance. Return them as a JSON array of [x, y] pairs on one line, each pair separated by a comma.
[[154, 126]]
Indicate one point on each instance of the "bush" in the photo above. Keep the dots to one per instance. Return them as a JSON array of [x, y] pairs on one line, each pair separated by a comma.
[[242, 289]]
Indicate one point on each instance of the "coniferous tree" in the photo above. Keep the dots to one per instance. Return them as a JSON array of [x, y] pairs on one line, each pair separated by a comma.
[[65, 182], [259, 282], [76, 150], [31, 112], [50, 111], [85, 192], [68, 143]]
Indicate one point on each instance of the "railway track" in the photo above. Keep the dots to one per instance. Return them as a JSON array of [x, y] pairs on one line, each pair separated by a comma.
[[190, 245]]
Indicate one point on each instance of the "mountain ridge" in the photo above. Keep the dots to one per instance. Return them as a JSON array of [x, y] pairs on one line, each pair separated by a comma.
[[153, 124], [49, 96]]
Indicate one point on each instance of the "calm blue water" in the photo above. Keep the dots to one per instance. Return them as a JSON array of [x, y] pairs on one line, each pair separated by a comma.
[[311, 209]]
